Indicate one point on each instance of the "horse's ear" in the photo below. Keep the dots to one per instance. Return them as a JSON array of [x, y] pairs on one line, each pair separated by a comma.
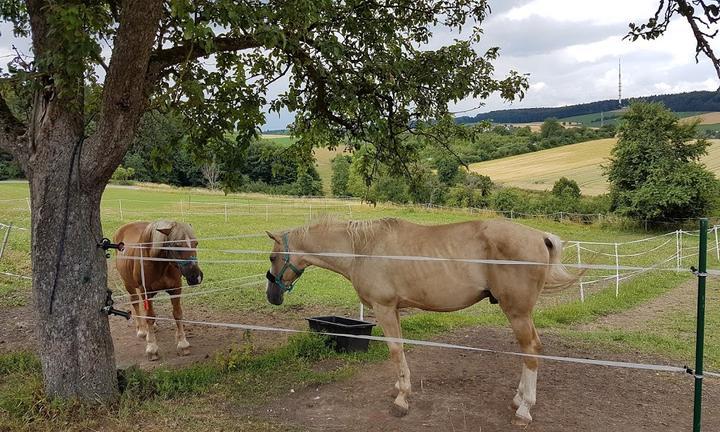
[[272, 236], [165, 231]]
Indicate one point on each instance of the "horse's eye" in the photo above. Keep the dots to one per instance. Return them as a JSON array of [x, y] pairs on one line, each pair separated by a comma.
[[272, 259]]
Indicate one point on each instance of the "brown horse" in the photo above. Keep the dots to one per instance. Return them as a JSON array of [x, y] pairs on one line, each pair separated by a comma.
[[387, 285], [157, 255]]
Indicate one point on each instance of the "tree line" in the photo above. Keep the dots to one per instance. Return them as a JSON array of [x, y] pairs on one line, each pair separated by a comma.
[[701, 101]]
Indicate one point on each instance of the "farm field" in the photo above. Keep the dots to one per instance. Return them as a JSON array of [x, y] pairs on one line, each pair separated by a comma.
[[255, 381], [612, 117], [581, 162]]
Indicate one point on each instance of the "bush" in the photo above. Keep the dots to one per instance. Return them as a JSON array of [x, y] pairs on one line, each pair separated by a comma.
[[340, 175], [123, 175], [655, 173], [566, 189]]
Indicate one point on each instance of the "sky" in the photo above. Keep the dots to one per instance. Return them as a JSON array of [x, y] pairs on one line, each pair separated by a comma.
[[569, 48]]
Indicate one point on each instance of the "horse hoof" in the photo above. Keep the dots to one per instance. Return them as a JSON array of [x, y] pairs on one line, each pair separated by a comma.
[[141, 334], [153, 356], [183, 351], [398, 411], [521, 421], [522, 416]]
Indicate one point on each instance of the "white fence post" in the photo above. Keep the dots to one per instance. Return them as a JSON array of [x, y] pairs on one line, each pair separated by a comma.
[[29, 205], [717, 250], [226, 218], [582, 290], [5, 239], [617, 271], [121, 211], [182, 211], [362, 312], [677, 250], [680, 263]]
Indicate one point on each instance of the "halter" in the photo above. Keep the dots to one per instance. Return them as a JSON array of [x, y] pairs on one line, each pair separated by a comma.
[[277, 280], [184, 263]]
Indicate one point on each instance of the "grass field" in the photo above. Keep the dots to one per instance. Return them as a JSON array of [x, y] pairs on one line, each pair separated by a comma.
[[581, 162], [612, 117], [248, 377]]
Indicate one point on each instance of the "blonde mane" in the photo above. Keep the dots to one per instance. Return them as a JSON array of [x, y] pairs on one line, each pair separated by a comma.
[[360, 232], [179, 232]]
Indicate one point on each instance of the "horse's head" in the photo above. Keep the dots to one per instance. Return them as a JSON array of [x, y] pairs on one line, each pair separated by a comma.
[[180, 244], [285, 269]]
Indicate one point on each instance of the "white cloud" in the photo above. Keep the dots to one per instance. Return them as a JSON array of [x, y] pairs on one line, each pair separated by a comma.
[[605, 12]]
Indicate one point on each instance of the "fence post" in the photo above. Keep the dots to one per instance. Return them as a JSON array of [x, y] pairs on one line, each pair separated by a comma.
[[5, 239], [350, 211], [226, 219], [717, 250], [362, 312], [680, 257], [700, 330], [677, 250], [582, 291], [182, 211], [29, 204], [121, 211], [617, 271]]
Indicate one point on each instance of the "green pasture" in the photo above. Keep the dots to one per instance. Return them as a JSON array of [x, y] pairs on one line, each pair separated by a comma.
[[239, 374]]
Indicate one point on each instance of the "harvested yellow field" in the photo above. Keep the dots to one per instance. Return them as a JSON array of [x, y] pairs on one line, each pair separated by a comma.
[[707, 118], [323, 159], [580, 162]]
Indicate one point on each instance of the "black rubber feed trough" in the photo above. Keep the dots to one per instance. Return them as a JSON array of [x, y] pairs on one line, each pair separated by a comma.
[[349, 326]]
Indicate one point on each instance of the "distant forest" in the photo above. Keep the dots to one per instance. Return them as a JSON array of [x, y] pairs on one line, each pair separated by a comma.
[[705, 101]]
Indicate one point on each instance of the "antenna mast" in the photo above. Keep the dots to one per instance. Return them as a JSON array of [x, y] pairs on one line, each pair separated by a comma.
[[619, 85]]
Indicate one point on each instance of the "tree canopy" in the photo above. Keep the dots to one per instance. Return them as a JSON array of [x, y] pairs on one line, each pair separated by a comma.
[[654, 172]]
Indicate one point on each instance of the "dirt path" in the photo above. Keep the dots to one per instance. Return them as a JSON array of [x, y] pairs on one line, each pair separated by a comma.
[[682, 297], [460, 391], [17, 333]]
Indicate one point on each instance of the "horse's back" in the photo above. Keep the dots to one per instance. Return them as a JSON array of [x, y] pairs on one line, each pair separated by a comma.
[[129, 233]]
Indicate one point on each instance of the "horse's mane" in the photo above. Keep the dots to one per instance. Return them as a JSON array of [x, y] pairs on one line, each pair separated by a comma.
[[360, 232], [179, 231]]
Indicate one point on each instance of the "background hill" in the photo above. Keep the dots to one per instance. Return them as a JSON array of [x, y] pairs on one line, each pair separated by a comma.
[[580, 162], [696, 102]]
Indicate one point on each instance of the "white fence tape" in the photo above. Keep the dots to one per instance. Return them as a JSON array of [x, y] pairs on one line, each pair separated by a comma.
[[586, 361]]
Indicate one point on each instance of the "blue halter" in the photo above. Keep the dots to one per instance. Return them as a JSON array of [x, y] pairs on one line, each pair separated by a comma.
[[288, 265], [184, 263]]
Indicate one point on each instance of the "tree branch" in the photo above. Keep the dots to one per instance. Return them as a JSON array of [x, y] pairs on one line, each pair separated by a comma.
[[126, 92], [163, 58], [12, 134]]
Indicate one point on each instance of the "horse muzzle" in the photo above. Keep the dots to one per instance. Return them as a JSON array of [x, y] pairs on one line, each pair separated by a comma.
[[195, 278]]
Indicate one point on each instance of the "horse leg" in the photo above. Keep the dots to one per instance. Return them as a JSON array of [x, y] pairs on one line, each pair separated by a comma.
[[389, 319], [139, 322], [151, 347], [529, 341], [183, 346]]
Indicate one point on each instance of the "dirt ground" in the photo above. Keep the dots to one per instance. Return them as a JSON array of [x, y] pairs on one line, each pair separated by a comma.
[[452, 390], [460, 391]]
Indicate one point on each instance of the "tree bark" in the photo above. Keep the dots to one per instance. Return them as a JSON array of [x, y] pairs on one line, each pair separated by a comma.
[[69, 271], [67, 176]]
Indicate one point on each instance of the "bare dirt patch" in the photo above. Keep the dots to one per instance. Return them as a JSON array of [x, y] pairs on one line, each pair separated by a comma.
[[460, 391], [680, 298], [17, 334]]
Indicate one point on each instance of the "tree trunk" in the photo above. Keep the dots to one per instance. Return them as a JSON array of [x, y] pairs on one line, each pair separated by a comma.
[[69, 272]]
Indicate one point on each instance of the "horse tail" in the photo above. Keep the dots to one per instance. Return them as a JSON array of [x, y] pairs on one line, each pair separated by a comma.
[[558, 277]]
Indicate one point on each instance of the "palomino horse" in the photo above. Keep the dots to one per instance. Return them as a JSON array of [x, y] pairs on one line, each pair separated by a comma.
[[387, 285], [157, 255]]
